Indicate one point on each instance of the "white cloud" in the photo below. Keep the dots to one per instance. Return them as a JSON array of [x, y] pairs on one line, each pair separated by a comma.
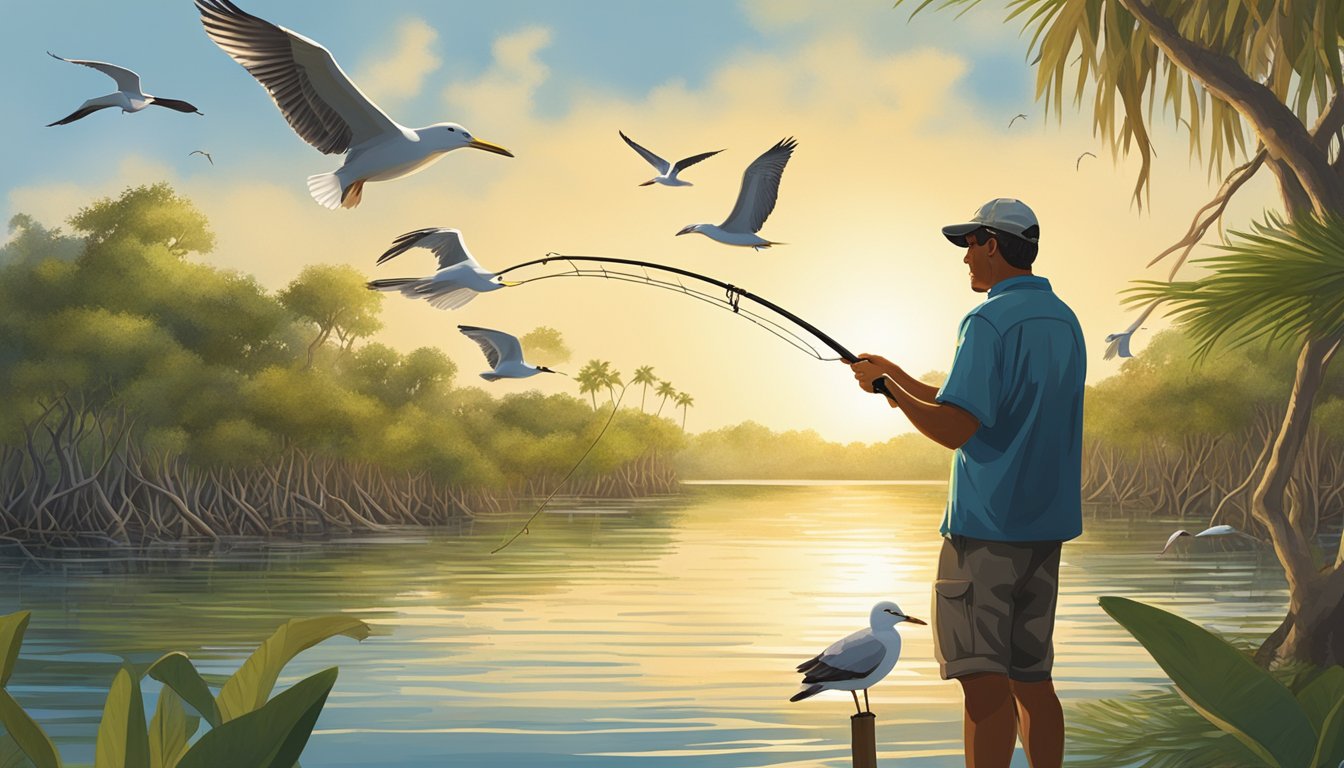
[[505, 92], [401, 75]]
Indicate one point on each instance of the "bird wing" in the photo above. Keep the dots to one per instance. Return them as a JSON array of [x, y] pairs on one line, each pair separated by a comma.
[[79, 114], [657, 162], [1172, 540], [687, 162], [760, 187], [854, 657], [126, 79], [446, 244], [497, 345], [314, 94], [1217, 530]]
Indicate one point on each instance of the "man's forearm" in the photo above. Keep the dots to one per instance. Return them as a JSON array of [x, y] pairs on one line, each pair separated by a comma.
[[945, 424], [917, 388]]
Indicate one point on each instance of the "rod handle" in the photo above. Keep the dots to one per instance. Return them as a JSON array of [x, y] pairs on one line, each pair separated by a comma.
[[880, 387]]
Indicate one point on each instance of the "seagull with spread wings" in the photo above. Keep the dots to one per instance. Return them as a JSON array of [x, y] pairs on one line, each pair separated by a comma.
[[128, 95], [459, 279], [327, 109], [755, 201], [667, 172], [504, 354]]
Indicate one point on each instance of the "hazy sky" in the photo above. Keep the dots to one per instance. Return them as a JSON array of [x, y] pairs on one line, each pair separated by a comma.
[[902, 126]]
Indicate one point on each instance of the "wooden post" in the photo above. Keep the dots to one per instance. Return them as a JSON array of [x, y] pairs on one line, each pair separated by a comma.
[[863, 742]]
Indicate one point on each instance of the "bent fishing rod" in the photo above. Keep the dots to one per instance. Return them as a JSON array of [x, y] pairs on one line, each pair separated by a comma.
[[733, 293]]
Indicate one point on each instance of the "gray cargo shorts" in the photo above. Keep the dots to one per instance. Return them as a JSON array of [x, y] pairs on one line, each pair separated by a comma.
[[994, 608]]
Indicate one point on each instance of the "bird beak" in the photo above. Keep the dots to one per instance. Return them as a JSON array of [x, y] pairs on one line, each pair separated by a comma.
[[686, 230], [913, 620], [645, 183], [488, 147]]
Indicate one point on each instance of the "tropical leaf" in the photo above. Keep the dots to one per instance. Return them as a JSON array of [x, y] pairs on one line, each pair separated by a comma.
[[123, 740], [176, 671], [249, 687], [11, 754], [1149, 729], [27, 733], [170, 730], [1330, 744], [1221, 683], [1279, 283], [1320, 700], [12, 628], [272, 736]]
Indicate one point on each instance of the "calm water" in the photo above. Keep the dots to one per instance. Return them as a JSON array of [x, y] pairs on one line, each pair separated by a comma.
[[658, 633]]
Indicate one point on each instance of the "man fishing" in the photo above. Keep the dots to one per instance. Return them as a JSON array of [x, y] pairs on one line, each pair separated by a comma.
[[1012, 408]]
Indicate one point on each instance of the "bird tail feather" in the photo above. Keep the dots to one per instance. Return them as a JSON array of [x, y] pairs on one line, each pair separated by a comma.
[[325, 189], [391, 283], [811, 690], [454, 299]]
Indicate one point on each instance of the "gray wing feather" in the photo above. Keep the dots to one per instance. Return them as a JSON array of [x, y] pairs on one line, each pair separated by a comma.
[[687, 162], [317, 98], [760, 188], [126, 79], [848, 659], [657, 162], [446, 244], [497, 345]]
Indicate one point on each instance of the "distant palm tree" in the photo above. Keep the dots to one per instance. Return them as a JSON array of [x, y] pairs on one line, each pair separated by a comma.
[[664, 391], [611, 379], [591, 378], [644, 375], [685, 401]]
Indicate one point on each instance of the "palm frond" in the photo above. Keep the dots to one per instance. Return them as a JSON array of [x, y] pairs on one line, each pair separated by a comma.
[[1279, 283], [1150, 729]]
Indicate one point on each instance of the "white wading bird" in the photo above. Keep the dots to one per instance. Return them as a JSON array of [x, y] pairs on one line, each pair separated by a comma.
[[459, 279], [503, 353], [667, 172], [858, 661], [1118, 343], [1217, 530], [128, 95], [755, 201], [326, 109]]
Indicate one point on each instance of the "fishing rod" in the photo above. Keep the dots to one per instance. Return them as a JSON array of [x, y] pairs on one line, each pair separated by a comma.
[[734, 296]]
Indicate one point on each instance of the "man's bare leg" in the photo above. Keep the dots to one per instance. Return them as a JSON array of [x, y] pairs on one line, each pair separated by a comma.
[[1040, 723], [990, 723]]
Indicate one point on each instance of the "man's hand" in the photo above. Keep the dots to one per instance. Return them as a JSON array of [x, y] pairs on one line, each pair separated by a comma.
[[867, 370]]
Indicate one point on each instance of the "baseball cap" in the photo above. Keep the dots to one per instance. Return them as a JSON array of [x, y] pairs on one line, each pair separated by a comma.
[[1004, 214]]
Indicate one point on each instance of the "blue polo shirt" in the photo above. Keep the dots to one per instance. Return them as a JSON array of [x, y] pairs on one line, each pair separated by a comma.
[[1019, 370]]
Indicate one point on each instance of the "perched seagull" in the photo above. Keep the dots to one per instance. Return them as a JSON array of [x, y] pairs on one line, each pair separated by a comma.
[[1217, 530], [1118, 343], [858, 661], [667, 172], [327, 110], [128, 95], [1079, 161], [459, 279], [202, 152], [503, 353], [1018, 116], [755, 201]]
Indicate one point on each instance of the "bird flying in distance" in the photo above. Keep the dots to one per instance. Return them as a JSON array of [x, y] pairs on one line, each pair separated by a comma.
[[1018, 116], [1080, 159], [203, 153], [755, 201], [667, 172], [128, 95], [458, 280], [327, 110], [503, 352]]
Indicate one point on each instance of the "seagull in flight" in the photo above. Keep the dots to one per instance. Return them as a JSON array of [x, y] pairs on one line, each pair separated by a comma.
[[327, 109], [667, 172], [1018, 116], [1118, 343], [755, 201], [858, 661], [1079, 161], [459, 279], [128, 95], [503, 353], [203, 153], [1217, 530]]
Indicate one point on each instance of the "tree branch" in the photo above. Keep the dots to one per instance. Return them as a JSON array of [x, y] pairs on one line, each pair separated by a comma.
[[1211, 211], [1283, 134]]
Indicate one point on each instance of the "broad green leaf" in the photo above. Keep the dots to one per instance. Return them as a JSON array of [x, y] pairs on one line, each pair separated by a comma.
[[270, 737], [1221, 683], [175, 670], [1330, 745], [11, 755], [12, 628], [170, 730], [123, 740], [251, 685], [27, 734], [1321, 700]]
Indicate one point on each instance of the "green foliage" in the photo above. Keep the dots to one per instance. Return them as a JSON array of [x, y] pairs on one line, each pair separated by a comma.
[[27, 734], [151, 215], [335, 299], [1149, 729], [750, 450], [123, 739], [1097, 48], [248, 688], [1279, 283], [1228, 689], [545, 346], [272, 736], [170, 730]]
